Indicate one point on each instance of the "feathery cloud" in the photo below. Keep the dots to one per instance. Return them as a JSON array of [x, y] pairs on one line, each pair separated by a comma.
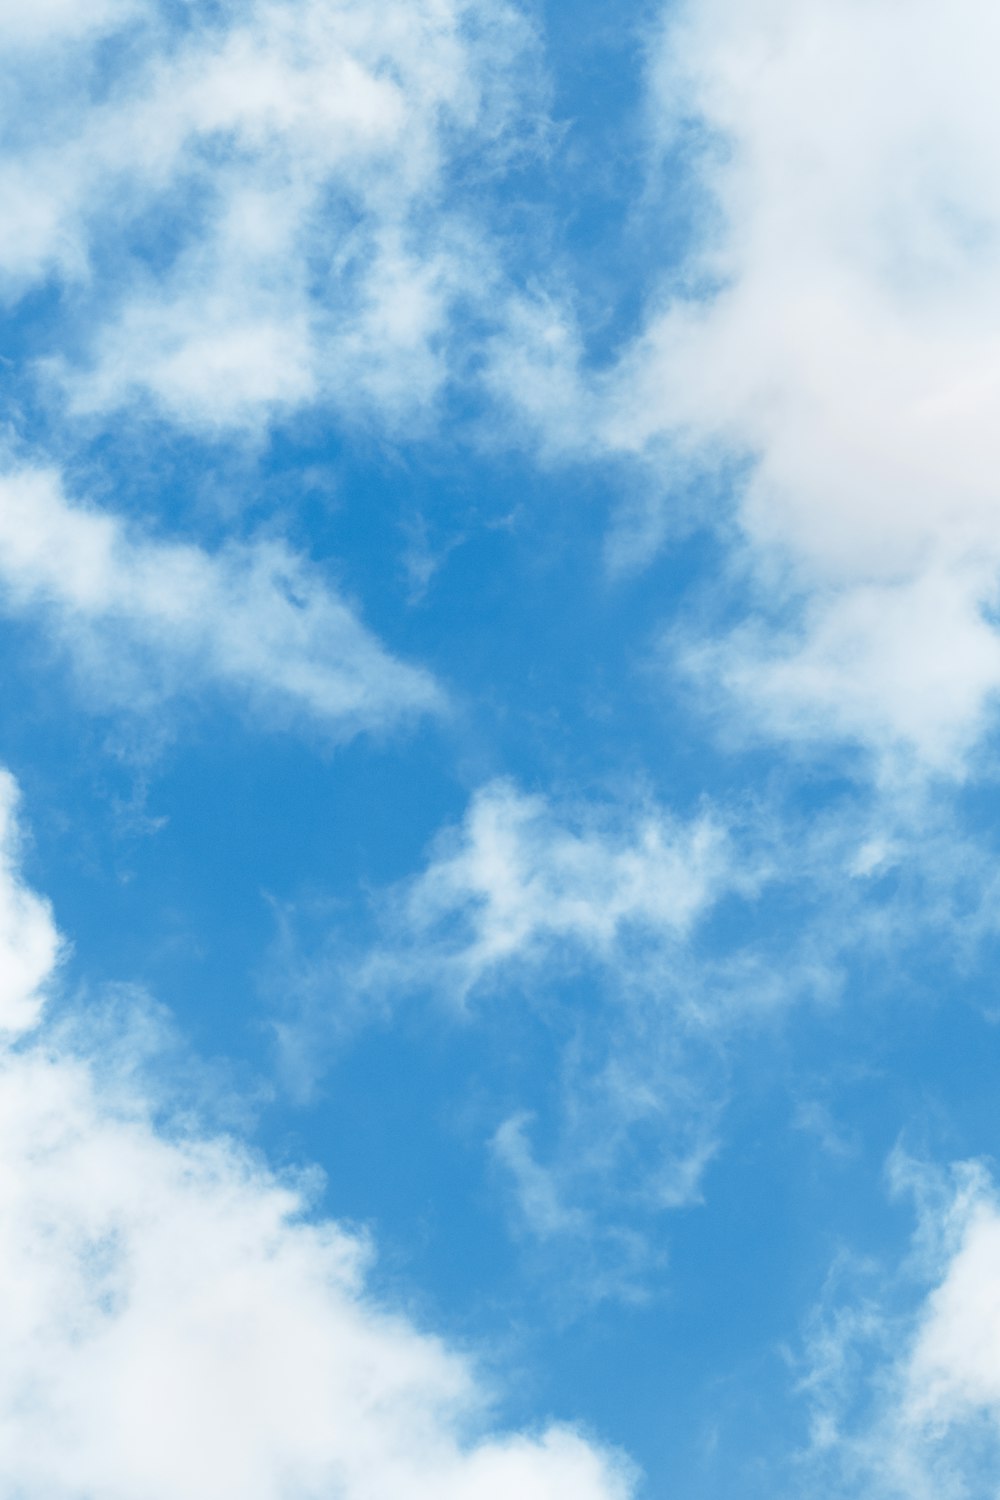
[[253, 214], [144, 619]]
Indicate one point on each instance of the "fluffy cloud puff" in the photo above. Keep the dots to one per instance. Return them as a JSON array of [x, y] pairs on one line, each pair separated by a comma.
[[176, 1323], [173, 1326], [836, 331]]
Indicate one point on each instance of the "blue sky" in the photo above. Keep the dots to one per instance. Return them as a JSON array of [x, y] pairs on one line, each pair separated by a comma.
[[498, 592]]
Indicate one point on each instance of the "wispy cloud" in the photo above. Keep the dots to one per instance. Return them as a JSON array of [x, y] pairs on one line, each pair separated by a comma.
[[144, 619], [902, 1372], [52, 23], [584, 910], [253, 215], [521, 880], [649, 948]]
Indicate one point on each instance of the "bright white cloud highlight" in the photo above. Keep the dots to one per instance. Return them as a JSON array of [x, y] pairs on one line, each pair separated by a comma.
[[143, 619], [175, 1323], [839, 329]]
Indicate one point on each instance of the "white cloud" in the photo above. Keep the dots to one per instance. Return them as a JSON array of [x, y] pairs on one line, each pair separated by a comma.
[[176, 1322], [528, 894], [252, 214], [907, 668], [51, 22], [831, 340], [645, 948], [29, 943], [522, 879], [954, 1366], [173, 1326], [905, 1379], [594, 916], [538, 1195], [848, 348], [143, 618]]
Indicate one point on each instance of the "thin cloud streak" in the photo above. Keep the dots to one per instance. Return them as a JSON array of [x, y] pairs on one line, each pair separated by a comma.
[[145, 620]]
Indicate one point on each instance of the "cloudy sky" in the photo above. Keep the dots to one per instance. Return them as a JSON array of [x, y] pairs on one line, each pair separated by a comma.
[[499, 838]]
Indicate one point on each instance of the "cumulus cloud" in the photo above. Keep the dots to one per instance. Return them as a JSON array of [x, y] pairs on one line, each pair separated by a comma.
[[251, 214], [827, 349], [174, 1324], [838, 329], [176, 1320], [143, 619], [830, 339]]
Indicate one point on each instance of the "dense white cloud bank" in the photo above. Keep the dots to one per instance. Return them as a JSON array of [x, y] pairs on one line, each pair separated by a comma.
[[143, 619], [840, 329], [172, 1327], [251, 213], [175, 1324], [831, 339]]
